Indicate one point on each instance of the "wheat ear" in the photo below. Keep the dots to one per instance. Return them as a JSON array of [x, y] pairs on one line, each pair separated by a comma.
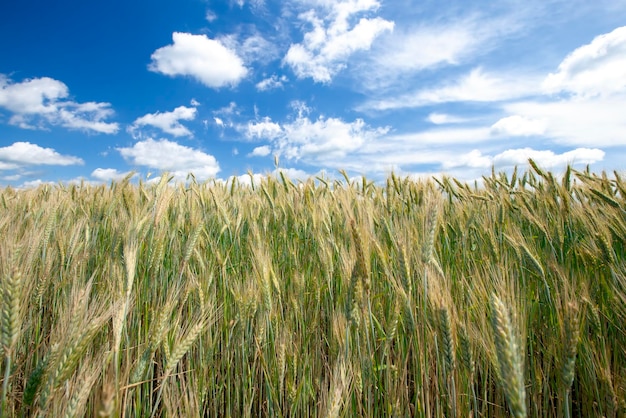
[[570, 337], [509, 358]]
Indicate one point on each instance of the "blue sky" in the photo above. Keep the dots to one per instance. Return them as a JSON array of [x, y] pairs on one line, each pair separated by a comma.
[[94, 90]]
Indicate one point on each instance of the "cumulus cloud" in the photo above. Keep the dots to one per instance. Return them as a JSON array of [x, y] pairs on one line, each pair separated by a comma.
[[262, 151], [315, 141], [207, 60], [20, 154], [32, 96], [39, 102], [168, 122], [591, 113], [325, 138], [108, 174], [598, 68], [170, 156], [518, 126], [332, 39], [264, 129]]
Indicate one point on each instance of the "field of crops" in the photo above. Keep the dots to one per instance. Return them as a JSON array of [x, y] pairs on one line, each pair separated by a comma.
[[321, 298]]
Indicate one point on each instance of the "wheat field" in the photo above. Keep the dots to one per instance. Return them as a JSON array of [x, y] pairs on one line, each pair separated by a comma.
[[321, 298]]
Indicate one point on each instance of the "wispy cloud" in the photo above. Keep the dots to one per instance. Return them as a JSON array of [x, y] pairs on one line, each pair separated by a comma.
[[445, 118], [413, 48], [270, 83], [476, 86]]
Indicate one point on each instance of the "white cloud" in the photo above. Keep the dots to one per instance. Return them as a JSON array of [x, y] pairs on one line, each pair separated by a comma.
[[316, 142], [21, 154], [8, 166], [108, 174], [262, 151], [291, 173], [438, 137], [224, 116], [520, 156], [229, 110], [265, 129], [586, 122], [547, 158], [168, 122], [445, 39], [170, 156], [472, 159], [206, 60], [32, 96], [248, 179], [271, 83], [327, 46], [323, 138], [44, 101], [444, 118], [87, 116], [477, 86], [210, 16], [428, 45], [598, 68], [518, 126], [253, 48], [33, 184], [592, 115]]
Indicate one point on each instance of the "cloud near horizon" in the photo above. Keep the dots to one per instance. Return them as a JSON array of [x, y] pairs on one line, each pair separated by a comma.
[[172, 157]]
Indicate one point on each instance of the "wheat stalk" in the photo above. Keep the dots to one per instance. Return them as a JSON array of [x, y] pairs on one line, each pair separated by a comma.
[[11, 324], [571, 338], [509, 358]]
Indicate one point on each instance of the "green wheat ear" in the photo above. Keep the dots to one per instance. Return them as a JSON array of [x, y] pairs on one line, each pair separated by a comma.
[[509, 358], [571, 336]]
